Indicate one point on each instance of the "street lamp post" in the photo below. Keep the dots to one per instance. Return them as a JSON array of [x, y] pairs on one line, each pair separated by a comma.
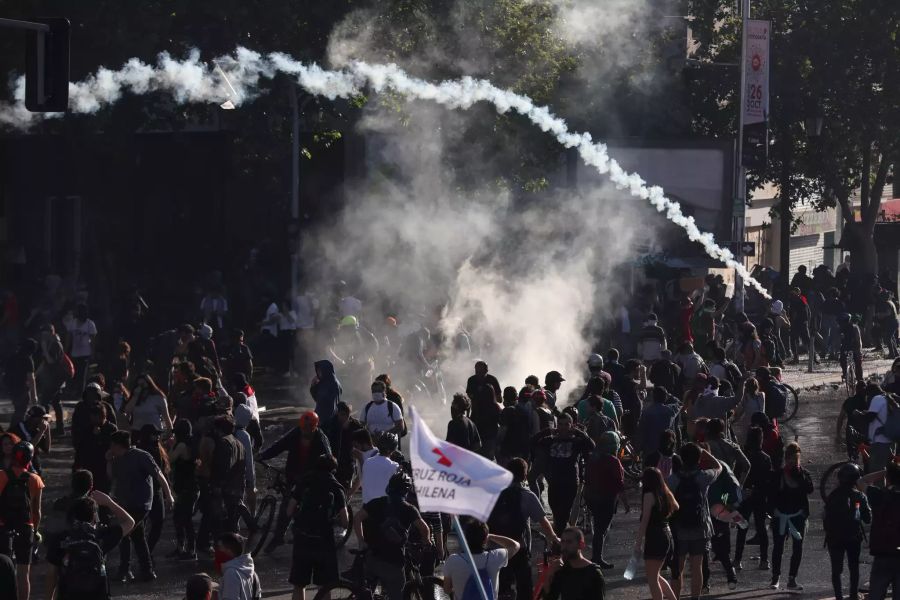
[[740, 203]]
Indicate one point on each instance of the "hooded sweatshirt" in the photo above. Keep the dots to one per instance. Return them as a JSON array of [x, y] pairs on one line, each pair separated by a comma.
[[327, 391], [242, 418], [239, 580]]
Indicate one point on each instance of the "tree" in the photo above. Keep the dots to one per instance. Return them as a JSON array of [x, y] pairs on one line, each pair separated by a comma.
[[835, 59]]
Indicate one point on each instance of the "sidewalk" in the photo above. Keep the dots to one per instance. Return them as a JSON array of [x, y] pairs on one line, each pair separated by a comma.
[[829, 372]]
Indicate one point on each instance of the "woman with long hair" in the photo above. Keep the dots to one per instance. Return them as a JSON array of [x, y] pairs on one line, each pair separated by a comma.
[[147, 406], [654, 535]]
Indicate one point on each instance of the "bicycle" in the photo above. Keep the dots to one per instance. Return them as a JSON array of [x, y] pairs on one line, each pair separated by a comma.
[[266, 510], [542, 567], [354, 585], [791, 404]]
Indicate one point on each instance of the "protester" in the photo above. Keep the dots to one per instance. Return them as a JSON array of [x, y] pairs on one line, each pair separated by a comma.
[[82, 332], [654, 536], [458, 577], [461, 430], [20, 380], [380, 415], [564, 447], [572, 576], [20, 514], [484, 391], [604, 483], [884, 539], [789, 507], [239, 579], [846, 512]]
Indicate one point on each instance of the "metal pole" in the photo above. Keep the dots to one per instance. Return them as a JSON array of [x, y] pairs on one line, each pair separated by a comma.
[[295, 189], [741, 196], [465, 547]]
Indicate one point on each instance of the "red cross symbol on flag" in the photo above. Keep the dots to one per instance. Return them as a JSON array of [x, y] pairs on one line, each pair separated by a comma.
[[443, 460]]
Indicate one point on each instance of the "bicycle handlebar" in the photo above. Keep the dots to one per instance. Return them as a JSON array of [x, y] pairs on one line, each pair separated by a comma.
[[270, 467]]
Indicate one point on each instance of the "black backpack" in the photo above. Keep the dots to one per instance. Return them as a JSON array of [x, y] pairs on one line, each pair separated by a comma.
[[391, 531], [314, 512], [776, 400], [840, 520], [690, 502], [15, 502], [507, 519], [83, 567], [884, 539], [390, 406]]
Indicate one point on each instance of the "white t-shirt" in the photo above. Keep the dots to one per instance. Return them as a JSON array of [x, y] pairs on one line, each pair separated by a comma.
[[381, 417], [376, 473], [459, 571], [879, 406], [305, 306], [287, 321], [150, 411], [349, 306], [272, 317], [81, 337]]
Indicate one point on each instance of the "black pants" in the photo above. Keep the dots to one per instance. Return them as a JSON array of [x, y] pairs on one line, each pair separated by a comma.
[[758, 510], [183, 519], [517, 573], [721, 547], [281, 522], [837, 550], [561, 496], [799, 333], [602, 510], [155, 519], [778, 540], [138, 538], [885, 574], [82, 366]]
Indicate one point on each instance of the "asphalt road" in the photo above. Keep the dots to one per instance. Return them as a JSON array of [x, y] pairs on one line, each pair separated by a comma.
[[813, 428]]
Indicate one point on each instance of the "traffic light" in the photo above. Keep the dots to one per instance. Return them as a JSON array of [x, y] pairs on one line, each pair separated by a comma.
[[47, 67]]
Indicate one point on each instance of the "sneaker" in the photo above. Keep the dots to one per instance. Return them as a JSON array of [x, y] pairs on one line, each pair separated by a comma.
[[125, 576], [738, 566], [776, 583], [732, 584], [793, 586], [764, 564], [705, 589]]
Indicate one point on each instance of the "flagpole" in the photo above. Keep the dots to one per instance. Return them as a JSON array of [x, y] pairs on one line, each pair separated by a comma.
[[465, 547]]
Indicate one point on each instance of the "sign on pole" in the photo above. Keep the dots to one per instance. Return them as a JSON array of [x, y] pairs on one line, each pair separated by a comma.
[[755, 94]]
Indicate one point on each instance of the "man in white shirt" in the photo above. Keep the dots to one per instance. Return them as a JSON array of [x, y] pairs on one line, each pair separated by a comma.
[[881, 449], [378, 470], [82, 332], [458, 571], [381, 415]]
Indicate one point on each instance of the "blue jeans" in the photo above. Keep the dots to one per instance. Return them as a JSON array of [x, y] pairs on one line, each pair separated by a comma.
[[832, 333]]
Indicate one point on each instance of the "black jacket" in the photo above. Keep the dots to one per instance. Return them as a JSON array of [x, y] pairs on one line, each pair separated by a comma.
[[296, 465]]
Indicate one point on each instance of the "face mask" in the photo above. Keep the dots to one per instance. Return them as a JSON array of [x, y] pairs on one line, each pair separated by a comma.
[[377, 397], [221, 557]]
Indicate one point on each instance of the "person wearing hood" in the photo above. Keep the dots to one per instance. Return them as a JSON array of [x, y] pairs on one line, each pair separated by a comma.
[[239, 580], [782, 326], [303, 444], [604, 482], [20, 381], [798, 310], [241, 385], [326, 390], [651, 340], [317, 505]]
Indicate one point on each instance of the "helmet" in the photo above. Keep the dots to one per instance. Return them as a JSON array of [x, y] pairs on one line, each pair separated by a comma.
[[350, 321], [848, 474], [844, 317], [23, 452], [387, 442], [400, 484], [595, 361], [309, 422]]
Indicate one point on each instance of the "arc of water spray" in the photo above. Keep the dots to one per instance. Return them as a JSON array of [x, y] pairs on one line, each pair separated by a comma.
[[191, 80]]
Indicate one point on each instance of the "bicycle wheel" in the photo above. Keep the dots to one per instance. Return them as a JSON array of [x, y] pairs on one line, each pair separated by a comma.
[[342, 590], [792, 403], [342, 534], [265, 518], [430, 588]]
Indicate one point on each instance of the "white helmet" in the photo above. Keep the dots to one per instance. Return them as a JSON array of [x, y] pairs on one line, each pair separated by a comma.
[[595, 361]]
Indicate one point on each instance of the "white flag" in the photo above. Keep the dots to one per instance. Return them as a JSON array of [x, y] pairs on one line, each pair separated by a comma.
[[451, 479]]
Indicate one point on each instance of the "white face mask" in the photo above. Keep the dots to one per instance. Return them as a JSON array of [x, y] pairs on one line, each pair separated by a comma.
[[378, 396]]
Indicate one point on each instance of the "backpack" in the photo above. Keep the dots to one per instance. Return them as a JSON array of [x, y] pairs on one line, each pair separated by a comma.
[[390, 406], [507, 519], [314, 512], [83, 568], [725, 489], [471, 592], [15, 502], [776, 401], [690, 503], [840, 521], [391, 532], [884, 537], [891, 426]]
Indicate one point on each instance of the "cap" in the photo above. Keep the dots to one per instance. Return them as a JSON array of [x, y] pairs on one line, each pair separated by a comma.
[[554, 376], [199, 586]]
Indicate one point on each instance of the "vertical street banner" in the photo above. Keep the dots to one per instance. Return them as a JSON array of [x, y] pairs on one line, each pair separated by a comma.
[[755, 95], [450, 479]]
